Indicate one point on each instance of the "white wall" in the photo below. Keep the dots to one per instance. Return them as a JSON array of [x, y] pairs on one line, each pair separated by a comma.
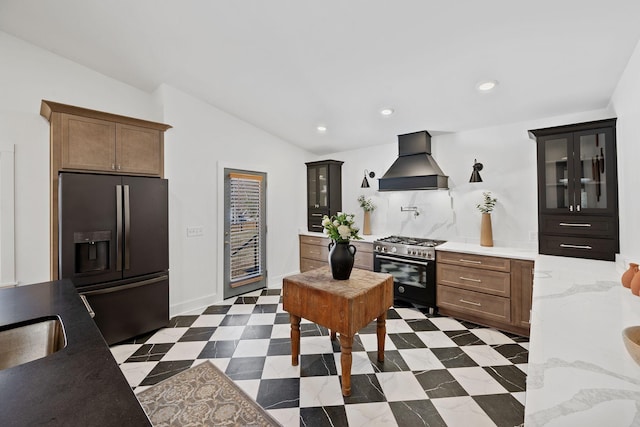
[[626, 103], [203, 140], [28, 75], [509, 159]]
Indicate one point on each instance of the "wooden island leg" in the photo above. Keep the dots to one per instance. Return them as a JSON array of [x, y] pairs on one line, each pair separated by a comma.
[[381, 331], [346, 342], [295, 339]]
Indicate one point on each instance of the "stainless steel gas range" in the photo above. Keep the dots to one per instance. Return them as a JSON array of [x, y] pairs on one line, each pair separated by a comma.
[[412, 263]]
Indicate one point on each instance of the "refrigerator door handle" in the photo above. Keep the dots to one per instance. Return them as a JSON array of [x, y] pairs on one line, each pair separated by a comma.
[[118, 227], [129, 286], [127, 229]]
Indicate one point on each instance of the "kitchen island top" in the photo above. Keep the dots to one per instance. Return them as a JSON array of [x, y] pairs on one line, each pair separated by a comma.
[[579, 371], [79, 385]]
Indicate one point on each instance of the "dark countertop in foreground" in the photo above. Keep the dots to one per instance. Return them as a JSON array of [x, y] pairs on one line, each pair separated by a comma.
[[79, 385]]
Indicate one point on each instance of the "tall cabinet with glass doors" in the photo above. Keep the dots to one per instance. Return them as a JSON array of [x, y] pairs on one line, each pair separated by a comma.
[[324, 191], [578, 190]]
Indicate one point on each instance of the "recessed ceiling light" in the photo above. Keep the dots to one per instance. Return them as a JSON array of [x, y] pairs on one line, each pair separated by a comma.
[[321, 129], [486, 85], [386, 111]]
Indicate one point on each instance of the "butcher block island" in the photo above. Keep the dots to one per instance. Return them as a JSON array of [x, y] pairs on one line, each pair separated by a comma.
[[342, 306]]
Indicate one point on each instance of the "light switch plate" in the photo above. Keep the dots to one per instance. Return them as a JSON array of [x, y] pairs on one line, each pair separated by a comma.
[[195, 231]]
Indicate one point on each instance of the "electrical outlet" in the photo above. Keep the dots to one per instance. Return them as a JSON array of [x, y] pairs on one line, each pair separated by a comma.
[[195, 231], [533, 236]]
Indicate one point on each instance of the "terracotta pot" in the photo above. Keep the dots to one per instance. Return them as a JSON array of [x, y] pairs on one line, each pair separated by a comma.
[[366, 224], [635, 284], [341, 258], [627, 276], [486, 234]]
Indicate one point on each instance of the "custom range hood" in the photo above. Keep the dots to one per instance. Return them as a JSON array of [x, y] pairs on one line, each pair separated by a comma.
[[414, 169]]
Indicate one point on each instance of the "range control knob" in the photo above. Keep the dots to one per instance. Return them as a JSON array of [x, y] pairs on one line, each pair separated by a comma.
[[401, 289], [384, 249], [377, 248], [393, 249]]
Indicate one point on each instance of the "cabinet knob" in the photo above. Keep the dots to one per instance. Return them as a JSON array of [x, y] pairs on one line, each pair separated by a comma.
[[119, 167], [113, 166]]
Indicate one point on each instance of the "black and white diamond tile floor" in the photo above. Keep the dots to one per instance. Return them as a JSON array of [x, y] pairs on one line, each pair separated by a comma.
[[438, 371]]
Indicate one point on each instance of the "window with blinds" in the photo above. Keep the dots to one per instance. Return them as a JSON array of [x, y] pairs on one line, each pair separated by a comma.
[[245, 234]]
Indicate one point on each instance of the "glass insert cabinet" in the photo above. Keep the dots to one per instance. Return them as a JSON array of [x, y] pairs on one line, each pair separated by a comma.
[[324, 191], [577, 190]]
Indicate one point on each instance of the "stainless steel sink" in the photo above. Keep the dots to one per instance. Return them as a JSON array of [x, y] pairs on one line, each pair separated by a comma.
[[31, 340]]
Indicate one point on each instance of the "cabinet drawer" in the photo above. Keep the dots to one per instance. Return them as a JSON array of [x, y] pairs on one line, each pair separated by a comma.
[[310, 264], [474, 279], [363, 246], [579, 225], [475, 261], [481, 305], [314, 224], [319, 253], [363, 260], [314, 240], [579, 247]]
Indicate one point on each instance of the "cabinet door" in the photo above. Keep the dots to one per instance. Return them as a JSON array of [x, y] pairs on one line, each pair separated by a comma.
[[595, 171], [317, 186], [88, 144], [139, 150], [521, 292], [312, 186], [555, 173]]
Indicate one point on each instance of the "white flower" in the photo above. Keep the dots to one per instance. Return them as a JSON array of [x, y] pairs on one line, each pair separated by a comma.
[[326, 221], [350, 218], [336, 223], [344, 231]]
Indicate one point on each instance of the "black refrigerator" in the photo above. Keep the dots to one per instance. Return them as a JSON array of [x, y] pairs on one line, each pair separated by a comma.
[[114, 246]]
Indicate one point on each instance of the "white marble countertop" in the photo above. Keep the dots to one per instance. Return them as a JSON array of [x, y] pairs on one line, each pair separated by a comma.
[[497, 251], [579, 372]]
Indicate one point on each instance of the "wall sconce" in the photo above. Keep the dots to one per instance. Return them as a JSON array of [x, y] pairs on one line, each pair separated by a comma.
[[365, 183], [475, 175]]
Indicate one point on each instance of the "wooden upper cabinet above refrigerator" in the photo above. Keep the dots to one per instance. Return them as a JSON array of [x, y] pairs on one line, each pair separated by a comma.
[[88, 140], [578, 190]]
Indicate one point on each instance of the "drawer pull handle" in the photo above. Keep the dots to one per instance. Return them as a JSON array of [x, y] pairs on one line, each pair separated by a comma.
[[470, 261], [477, 304], [317, 226], [316, 214], [471, 280], [564, 245], [571, 224]]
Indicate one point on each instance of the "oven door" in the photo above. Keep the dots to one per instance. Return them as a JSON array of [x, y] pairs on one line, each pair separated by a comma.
[[413, 279]]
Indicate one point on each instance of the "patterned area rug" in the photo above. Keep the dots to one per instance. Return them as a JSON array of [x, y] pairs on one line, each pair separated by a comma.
[[202, 396]]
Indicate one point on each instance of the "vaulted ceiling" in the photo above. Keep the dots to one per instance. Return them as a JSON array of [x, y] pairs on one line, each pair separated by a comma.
[[288, 66]]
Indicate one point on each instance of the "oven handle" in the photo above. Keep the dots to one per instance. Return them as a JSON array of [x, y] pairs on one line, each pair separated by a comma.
[[402, 260]]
